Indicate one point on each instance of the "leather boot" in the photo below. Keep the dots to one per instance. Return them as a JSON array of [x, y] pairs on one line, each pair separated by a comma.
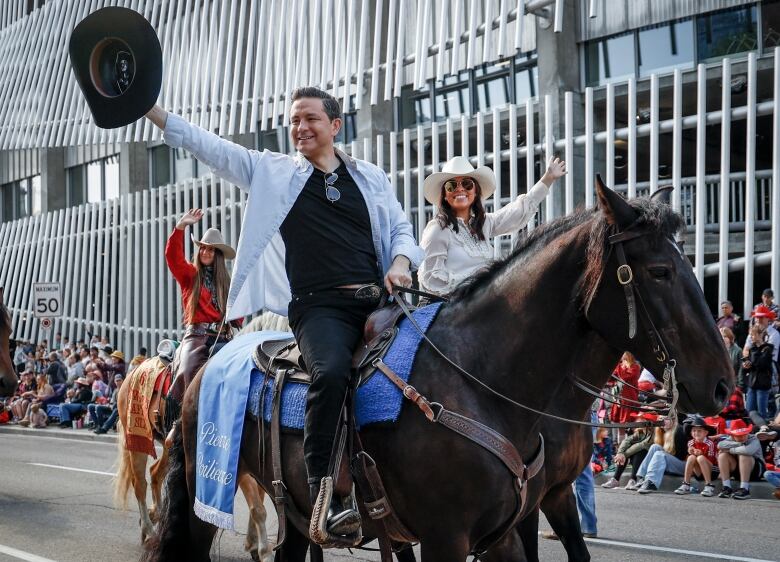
[[178, 386], [341, 520]]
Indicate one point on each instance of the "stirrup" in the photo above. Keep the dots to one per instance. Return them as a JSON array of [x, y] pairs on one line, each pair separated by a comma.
[[319, 532]]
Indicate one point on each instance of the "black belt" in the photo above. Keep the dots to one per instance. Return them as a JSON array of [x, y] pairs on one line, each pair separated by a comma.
[[370, 292]]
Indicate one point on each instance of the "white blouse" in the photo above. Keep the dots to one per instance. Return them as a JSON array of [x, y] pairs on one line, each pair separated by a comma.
[[451, 257]]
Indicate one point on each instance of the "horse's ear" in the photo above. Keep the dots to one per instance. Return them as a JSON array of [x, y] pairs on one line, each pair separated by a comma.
[[617, 211], [663, 194]]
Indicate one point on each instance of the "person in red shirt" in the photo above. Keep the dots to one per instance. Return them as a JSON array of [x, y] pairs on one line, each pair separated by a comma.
[[702, 457], [204, 283], [627, 371]]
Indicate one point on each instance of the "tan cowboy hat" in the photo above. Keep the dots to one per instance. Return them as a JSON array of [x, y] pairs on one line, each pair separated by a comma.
[[118, 355], [459, 167], [213, 239]]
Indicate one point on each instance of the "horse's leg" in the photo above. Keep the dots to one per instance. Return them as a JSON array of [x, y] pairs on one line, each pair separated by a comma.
[[560, 508], [138, 469], [406, 555], [157, 474], [294, 547], [510, 549], [528, 531], [256, 543], [444, 549]]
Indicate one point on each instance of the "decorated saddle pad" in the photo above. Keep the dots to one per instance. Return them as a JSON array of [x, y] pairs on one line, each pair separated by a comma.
[[378, 400], [142, 381]]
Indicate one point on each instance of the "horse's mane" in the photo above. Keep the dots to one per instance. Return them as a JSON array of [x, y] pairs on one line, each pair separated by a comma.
[[654, 216]]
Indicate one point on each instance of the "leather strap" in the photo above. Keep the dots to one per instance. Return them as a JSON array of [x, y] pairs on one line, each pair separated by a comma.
[[625, 277], [408, 390], [279, 489]]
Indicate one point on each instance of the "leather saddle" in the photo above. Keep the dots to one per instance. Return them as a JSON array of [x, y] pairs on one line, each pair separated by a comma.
[[380, 330]]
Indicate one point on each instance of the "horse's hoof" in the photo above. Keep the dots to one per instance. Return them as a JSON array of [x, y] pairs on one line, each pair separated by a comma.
[[255, 556]]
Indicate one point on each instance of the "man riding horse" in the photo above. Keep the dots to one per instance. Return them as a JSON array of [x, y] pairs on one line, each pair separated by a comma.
[[323, 232]]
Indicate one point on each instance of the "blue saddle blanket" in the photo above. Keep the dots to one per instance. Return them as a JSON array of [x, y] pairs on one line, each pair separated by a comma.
[[378, 400]]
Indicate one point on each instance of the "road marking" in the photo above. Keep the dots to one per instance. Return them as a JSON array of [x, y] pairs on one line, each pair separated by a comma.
[[56, 438], [22, 555], [71, 468], [637, 546]]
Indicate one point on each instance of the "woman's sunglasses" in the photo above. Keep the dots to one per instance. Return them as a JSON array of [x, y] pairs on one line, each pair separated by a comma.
[[450, 186]]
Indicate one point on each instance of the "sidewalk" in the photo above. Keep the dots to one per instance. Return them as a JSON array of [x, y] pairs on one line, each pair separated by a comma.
[[758, 490], [59, 432]]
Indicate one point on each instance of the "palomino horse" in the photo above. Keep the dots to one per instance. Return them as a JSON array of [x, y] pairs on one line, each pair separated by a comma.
[[8, 378], [131, 472], [554, 309]]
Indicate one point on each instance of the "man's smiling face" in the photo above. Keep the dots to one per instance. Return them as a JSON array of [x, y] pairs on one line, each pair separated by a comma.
[[311, 130]]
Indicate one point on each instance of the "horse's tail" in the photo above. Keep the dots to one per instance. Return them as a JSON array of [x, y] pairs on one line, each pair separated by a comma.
[[172, 533], [124, 474]]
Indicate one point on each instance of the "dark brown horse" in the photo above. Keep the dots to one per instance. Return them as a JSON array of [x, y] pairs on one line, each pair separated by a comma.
[[8, 378], [552, 309]]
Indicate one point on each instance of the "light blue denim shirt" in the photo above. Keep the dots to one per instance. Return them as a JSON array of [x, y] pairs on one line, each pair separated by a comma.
[[273, 182]]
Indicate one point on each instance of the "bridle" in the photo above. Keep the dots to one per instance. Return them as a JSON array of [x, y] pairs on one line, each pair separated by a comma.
[[626, 278]]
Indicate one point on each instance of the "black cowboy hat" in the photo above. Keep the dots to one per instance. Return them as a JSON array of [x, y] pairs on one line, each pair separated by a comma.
[[117, 60], [697, 421]]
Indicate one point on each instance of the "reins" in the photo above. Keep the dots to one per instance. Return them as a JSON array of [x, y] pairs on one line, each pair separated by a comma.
[[626, 279]]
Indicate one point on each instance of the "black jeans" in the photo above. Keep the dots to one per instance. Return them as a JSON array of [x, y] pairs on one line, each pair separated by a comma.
[[635, 461], [328, 328]]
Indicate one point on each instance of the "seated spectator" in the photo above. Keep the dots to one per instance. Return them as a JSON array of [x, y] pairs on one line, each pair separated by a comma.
[[43, 391], [735, 409], [56, 372], [727, 318], [77, 404], [768, 301], [5, 416], [38, 418], [75, 368], [668, 458], [740, 452], [633, 449], [702, 457], [137, 360], [757, 370], [649, 384], [602, 451], [107, 424], [25, 392], [627, 372]]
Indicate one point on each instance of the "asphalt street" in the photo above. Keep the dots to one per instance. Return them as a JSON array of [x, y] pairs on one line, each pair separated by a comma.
[[56, 504]]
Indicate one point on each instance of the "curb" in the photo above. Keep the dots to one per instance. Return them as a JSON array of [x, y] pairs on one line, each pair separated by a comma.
[[758, 490], [60, 433]]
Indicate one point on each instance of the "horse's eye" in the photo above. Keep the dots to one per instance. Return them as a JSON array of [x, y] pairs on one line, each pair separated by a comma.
[[659, 272]]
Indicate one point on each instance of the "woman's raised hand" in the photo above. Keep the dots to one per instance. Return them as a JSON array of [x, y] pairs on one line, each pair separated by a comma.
[[189, 218], [556, 168]]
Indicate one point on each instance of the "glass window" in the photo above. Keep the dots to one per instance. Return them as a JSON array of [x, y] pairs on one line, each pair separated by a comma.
[[493, 91], [422, 110], [610, 60], [727, 33], [160, 162], [526, 84], [23, 199], [452, 103], [35, 185], [112, 177], [770, 24], [8, 201], [182, 164], [664, 48], [76, 186], [94, 182]]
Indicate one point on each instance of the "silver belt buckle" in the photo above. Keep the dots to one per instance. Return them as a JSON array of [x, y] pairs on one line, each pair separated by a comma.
[[368, 292]]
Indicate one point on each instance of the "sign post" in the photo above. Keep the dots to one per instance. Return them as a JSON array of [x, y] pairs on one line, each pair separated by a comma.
[[47, 303]]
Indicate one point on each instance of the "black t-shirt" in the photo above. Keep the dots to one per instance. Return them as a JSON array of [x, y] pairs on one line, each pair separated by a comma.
[[329, 244]]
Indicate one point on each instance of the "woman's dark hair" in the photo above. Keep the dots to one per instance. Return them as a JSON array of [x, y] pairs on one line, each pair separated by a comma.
[[446, 216], [221, 282]]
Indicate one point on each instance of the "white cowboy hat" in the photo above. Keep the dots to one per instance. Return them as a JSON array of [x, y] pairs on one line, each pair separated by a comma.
[[213, 239], [458, 167]]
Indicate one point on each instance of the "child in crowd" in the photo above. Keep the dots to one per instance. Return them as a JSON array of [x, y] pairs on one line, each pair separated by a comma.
[[633, 449], [5, 416], [771, 433], [602, 451], [702, 457], [741, 453], [38, 417]]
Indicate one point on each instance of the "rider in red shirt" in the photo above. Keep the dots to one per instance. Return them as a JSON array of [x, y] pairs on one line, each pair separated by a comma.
[[207, 277]]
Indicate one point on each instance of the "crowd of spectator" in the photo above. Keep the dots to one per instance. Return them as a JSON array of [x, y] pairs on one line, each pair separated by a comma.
[[73, 384], [719, 455]]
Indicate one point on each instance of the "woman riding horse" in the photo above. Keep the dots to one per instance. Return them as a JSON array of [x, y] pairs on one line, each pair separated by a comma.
[[204, 283]]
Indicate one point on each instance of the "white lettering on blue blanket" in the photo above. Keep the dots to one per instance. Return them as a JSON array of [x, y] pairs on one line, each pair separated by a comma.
[[211, 472], [209, 435]]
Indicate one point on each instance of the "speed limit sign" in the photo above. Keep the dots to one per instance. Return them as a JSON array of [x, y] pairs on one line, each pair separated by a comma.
[[47, 301], [45, 323]]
